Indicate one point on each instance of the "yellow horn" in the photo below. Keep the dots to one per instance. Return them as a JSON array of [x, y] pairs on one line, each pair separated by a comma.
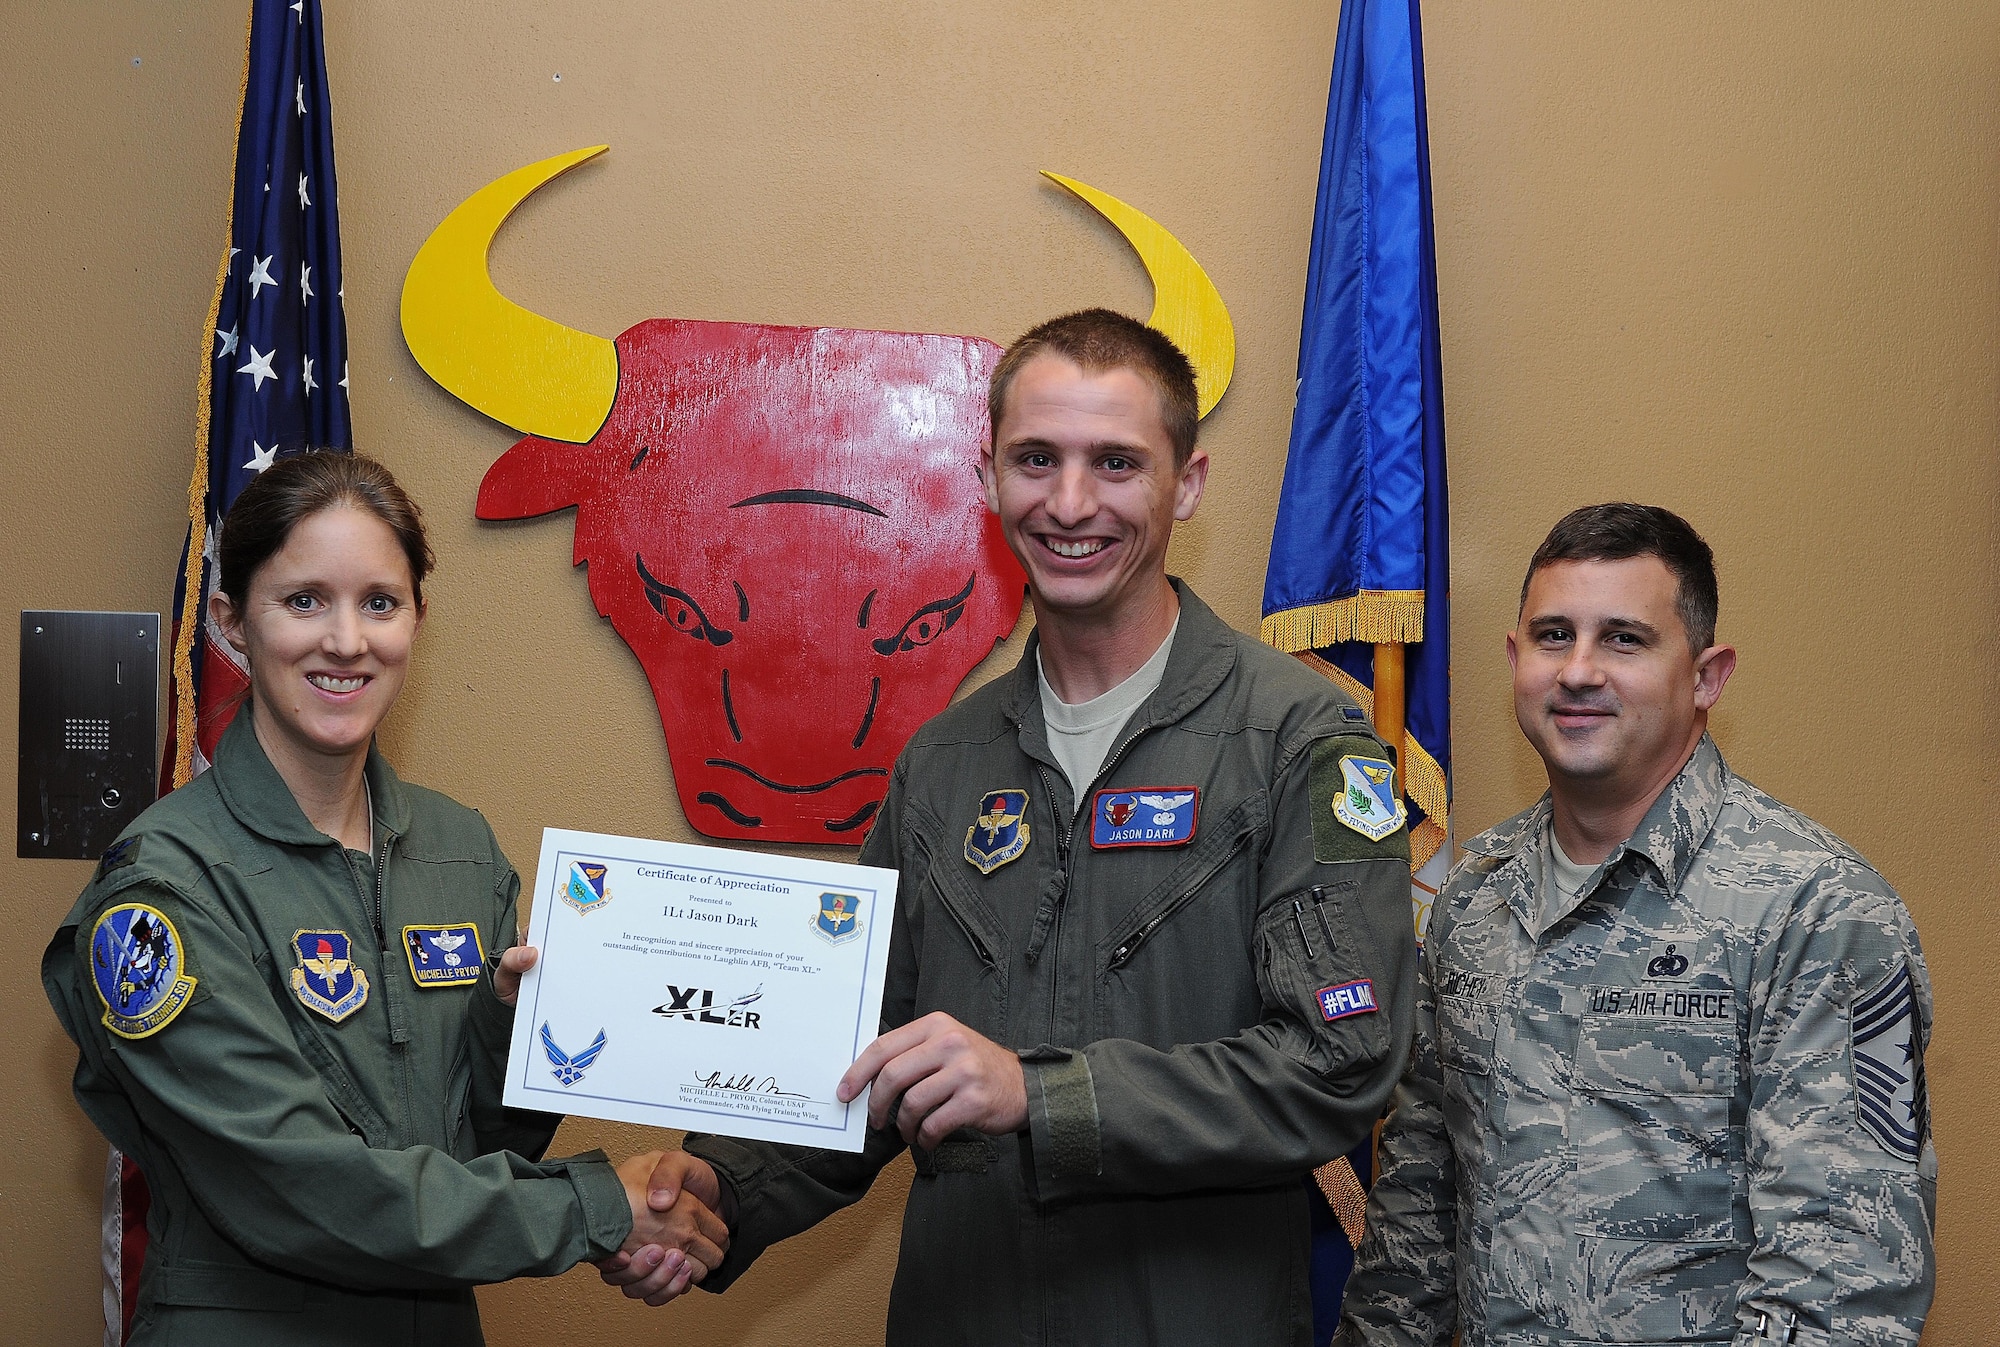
[[521, 369], [1186, 306]]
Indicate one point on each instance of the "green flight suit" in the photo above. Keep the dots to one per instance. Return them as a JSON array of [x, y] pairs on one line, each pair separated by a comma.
[[316, 1180], [1201, 1019]]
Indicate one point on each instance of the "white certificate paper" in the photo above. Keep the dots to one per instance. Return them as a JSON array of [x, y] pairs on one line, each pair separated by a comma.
[[700, 988]]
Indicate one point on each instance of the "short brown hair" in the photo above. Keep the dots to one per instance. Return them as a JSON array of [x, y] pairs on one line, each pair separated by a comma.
[[1620, 530], [1098, 340], [295, 489]]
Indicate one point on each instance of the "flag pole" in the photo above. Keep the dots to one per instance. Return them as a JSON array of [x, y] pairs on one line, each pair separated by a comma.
[[1389, 704]]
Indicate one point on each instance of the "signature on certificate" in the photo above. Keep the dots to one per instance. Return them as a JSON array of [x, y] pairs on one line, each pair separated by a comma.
[[745, 1084]]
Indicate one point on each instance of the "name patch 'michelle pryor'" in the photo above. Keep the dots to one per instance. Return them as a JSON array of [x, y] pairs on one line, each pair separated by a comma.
[[1349, 998]]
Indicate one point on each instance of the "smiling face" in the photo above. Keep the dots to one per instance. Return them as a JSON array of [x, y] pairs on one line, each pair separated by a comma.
[[326, 628], [1606, 687], [1082, 477]]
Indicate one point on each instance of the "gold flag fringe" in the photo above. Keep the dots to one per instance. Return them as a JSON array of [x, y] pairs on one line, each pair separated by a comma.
[[1377, 616], [191, 615], [1423, 778]]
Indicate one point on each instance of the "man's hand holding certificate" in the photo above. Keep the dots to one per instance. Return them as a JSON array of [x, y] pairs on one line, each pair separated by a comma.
[[700, 988]]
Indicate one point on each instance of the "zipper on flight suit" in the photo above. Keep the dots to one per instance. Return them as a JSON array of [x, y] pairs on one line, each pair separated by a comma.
[[1066, 856], [1130, 945]]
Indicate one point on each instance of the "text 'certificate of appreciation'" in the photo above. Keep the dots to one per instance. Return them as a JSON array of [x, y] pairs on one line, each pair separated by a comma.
[[700, 988]]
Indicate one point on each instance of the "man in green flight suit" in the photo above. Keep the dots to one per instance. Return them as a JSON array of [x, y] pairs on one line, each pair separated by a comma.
[[1149, 967]]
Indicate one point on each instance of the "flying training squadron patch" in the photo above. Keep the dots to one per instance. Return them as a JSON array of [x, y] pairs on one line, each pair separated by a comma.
[[326, 980], [139, 966], [1000, 833], [443, 956]]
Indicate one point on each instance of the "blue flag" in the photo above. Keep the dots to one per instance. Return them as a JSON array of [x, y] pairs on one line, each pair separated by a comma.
[[1359, 554], [275, 381]]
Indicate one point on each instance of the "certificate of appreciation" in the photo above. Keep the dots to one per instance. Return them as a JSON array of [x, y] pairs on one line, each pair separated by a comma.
[[700, 988]]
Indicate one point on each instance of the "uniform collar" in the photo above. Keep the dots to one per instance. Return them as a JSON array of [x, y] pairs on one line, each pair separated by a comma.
[[1668, 837], [1203, 656], [261, 801]]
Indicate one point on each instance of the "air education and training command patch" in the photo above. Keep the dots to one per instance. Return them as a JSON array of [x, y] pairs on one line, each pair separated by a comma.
[[439, 955], [326, 979], [839, 918], [1149, 816], [1001, 832], [139, 966]]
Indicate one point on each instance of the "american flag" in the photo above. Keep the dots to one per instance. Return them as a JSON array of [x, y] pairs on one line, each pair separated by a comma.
[[274, 383]]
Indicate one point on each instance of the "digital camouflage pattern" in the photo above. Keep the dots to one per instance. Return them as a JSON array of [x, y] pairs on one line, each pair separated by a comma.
[[1635, 1117]]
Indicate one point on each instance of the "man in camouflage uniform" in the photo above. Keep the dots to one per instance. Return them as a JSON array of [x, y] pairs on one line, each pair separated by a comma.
[[1667, 1085]]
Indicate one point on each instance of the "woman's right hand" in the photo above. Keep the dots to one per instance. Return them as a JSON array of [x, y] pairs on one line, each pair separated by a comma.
[[677, 1239]]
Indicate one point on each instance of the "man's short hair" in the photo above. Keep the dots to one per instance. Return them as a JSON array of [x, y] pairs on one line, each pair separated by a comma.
[[1099, 340], [1621, 530]]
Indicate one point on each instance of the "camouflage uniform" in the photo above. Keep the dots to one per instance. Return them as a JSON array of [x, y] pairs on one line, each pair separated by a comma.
[[1690, 1097]]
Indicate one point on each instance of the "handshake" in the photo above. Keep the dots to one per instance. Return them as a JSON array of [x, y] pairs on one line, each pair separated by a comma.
[[680, 1230]]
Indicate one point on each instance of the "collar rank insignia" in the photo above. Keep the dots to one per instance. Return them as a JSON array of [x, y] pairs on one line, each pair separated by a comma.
[[138, 964], [839, 919], [1151, 816], [1369, 802], [1889, 1067], [326, 979], [1000, 834], [566, 1069], [443, 956], [585, 890]]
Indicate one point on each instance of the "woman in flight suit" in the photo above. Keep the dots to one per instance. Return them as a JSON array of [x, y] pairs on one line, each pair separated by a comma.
[[292, 983]]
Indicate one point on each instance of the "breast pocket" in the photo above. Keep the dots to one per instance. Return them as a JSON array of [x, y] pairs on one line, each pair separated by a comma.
[[1656, 1155]]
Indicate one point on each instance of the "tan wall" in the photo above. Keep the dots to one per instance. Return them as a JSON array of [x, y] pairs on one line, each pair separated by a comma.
[[1737, 259]]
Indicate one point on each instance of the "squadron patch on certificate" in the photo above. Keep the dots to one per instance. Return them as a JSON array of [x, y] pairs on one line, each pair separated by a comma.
[[326, 980], [585, 889], [1000, 833], [139, 966], [443, 956]]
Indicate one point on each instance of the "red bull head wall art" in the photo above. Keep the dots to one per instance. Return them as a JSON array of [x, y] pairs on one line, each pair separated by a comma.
[[785, 524]]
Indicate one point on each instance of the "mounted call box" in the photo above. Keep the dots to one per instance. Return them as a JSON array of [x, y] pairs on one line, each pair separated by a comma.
[[90, 691]]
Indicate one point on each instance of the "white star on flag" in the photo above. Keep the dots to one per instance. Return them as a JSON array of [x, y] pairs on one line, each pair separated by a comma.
[[310, 385], [260, 274], [228, 340], [259, 368], [305, 283], [300, 10], [304, 200], [302, 98], [343, 374], [260, 457], [232, 258]]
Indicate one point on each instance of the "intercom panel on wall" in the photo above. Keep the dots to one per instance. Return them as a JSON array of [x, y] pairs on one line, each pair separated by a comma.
[[90, 690]]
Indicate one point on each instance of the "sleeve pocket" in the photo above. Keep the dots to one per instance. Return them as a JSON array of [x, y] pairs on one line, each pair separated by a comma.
[[1317, 970]]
